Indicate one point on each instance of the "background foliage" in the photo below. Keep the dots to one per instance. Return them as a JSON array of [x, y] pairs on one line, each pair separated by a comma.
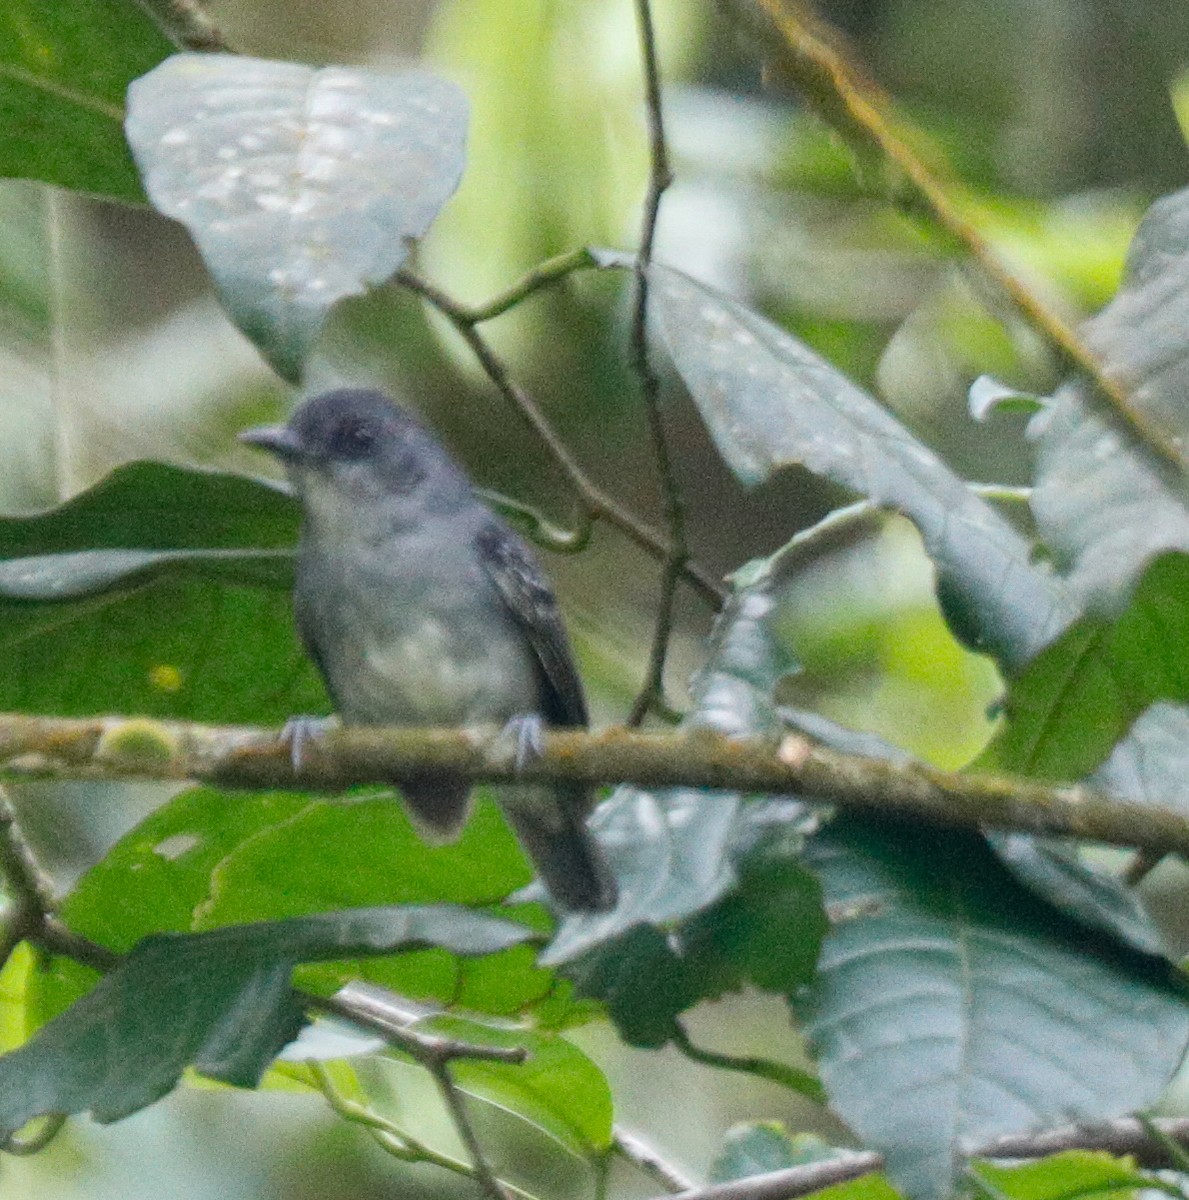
[[122, 384]]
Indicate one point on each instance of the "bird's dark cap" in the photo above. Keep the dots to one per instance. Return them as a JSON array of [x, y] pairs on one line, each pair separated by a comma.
[[280, 440]]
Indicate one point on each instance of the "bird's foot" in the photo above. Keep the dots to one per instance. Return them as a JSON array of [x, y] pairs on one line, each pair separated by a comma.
[[298, 732], [527, 734]]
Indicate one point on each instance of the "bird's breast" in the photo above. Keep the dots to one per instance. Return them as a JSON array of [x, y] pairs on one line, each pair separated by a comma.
[[430, 644]]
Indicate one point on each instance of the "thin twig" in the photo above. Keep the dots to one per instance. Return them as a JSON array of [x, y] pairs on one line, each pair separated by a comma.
[[378, 1009], [660, 176], [1141, 866], [364, 1005], [57, 939], [396, 1140], [485, 1175], [187, 24], [634, 1149], [792, 1181], [1125, 1135], [259, 759], [815, 59], [598, 503]]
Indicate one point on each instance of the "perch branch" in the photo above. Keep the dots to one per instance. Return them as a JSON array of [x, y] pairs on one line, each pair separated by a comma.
[[791, 1181], [115, 748], [1126, 1135]]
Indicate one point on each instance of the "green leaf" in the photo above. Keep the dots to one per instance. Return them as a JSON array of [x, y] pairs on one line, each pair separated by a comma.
[[184, 641], [769, 401], [1152, 762], [641, 982], [756, 1147], [161, 591], [1052, 868], [1067, 1176], [64, 69], [951, 1007], [300, 185], [557, 1088], [767, 932], [1055, 870], [719, 873], [365, 851], [155, 877], [17, 992], [219, 1001], [155, 506], [1104, 502], [1079, 696]]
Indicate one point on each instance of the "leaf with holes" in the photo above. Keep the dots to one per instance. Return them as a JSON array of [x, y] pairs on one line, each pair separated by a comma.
[[300, 185], [163, 591]]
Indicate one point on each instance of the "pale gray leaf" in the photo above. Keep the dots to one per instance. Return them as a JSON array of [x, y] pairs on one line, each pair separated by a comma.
[[1104, 501], [300, 185], [770, 401]]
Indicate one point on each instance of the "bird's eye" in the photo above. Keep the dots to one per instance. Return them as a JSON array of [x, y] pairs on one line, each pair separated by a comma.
[[353, 437]]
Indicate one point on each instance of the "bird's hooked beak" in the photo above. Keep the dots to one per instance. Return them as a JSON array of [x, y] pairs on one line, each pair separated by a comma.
[[276, 439]]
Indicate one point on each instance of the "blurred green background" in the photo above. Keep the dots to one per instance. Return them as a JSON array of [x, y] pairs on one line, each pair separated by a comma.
[[1059, 116]]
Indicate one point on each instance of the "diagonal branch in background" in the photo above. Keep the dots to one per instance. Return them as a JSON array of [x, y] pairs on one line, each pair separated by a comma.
[[248, 758], [813, 57], [598, 503], [652, 689]]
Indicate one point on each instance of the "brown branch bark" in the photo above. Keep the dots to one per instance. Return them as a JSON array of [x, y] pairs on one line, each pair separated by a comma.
[[115, 748]]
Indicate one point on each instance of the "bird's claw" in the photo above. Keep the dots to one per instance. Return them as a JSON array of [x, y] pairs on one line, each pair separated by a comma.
[[527, 732], [299, 732]]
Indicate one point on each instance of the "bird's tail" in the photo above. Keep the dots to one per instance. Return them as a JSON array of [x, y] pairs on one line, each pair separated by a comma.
[[550, 826]]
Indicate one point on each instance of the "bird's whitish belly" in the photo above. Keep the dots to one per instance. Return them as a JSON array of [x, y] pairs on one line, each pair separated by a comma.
[[421, 661]]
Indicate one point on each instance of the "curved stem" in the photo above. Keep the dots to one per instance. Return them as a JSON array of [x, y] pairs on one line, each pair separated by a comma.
[[801, 1082], [634, 1149], [549, 272]]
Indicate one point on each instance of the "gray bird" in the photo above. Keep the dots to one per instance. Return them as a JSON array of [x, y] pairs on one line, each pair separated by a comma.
[[421, 607]]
